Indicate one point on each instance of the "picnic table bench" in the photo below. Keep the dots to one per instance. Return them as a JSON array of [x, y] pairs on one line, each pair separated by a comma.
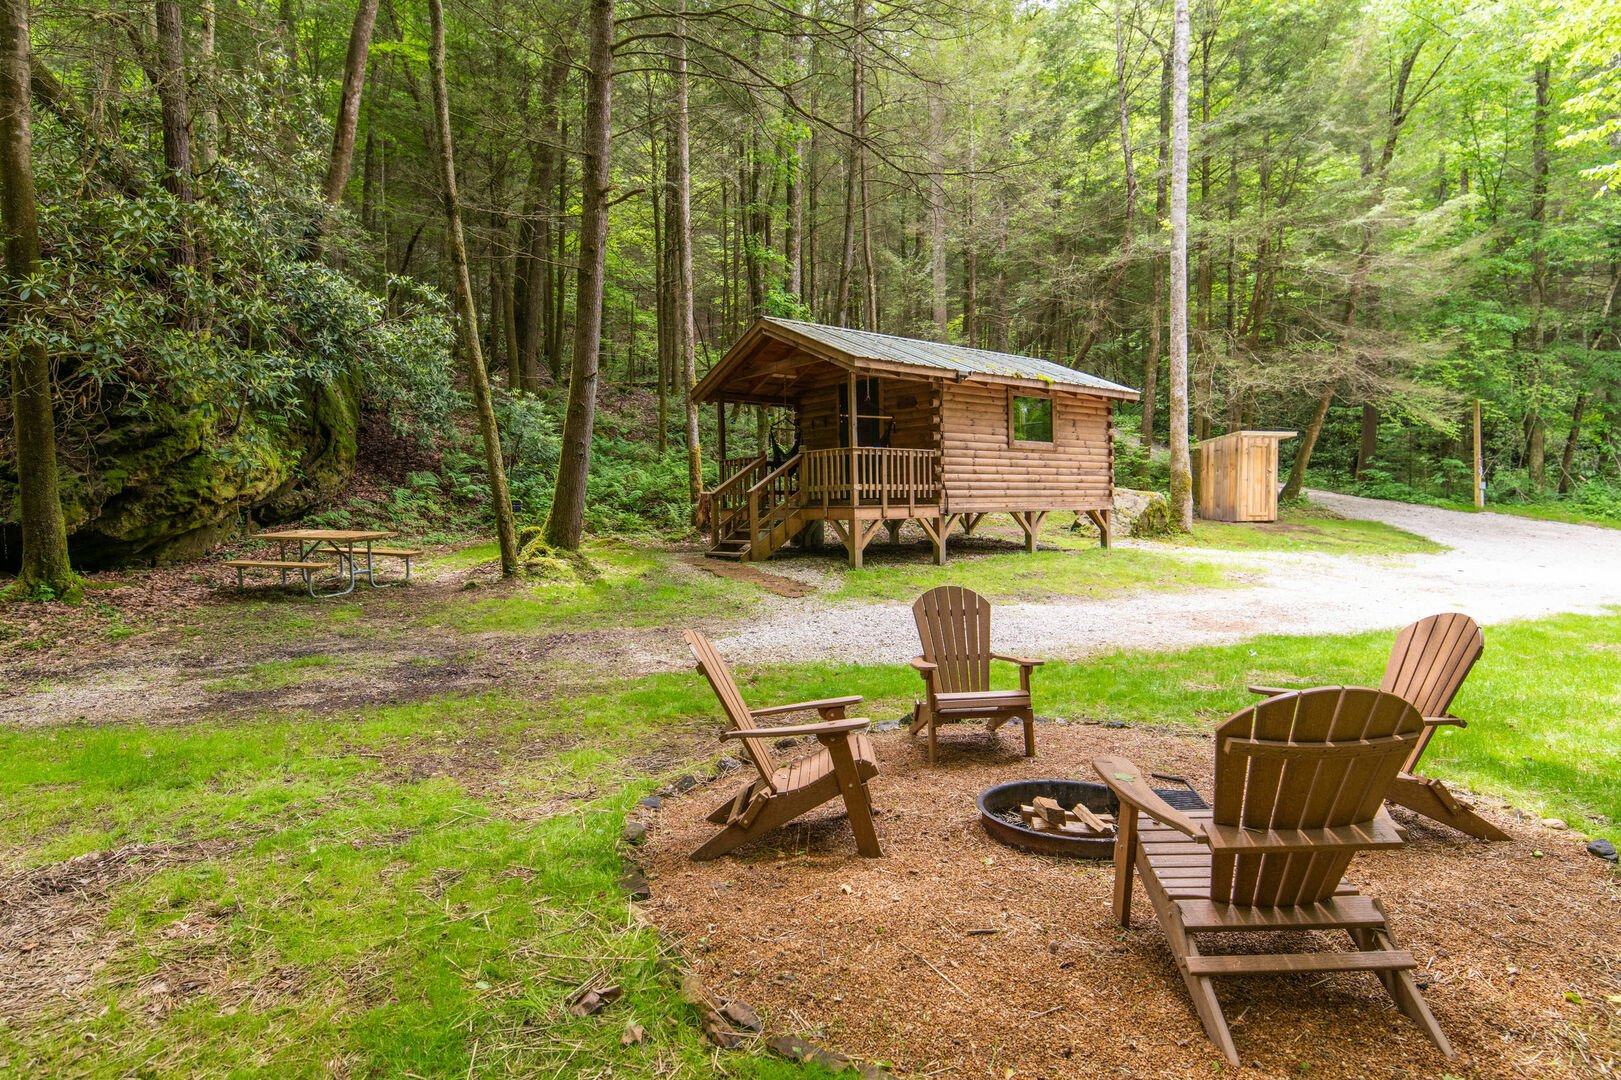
[[348, 552]]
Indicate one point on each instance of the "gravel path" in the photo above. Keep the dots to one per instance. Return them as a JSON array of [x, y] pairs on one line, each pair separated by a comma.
[[1500, 567]]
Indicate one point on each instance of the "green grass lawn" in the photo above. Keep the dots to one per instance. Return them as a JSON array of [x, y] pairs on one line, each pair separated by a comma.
[[637, 587], [1088, 572], [418, 888], [333, 909], [1304, 527]]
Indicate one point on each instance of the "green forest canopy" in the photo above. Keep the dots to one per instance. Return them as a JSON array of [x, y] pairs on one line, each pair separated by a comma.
[[1397, 207]]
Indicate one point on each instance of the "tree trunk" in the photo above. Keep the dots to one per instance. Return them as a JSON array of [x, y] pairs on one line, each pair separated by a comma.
[[567, 521], [208, 119], [1203, 362], [1536, 434], [554, 325], [1369, 444], [794, 195], [686, 346], [1156, 318], [937, 210], [533, 286], [171, 89], [348, 119], [1572, 438], [45, 571], [1359, 272], [660, 216], [1128, 231], [1181, 462], [869, 265], [477, 377], [853, 170]]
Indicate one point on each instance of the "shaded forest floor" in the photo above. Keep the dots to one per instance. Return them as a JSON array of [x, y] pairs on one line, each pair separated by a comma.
[[381, 834]]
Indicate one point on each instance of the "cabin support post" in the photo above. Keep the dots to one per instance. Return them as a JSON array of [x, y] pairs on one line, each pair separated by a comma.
[[720, 433], [970, 522], [936, 529], [1030, 521], [1103, 519], [856, 535], [894, 527]]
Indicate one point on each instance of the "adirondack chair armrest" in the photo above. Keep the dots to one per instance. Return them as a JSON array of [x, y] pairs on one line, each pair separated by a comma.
[[929, 671], [823, 706], [1380, 833], [834, 727], [1437, 721], [1023, 662], [1272, 691], [1130, 785]]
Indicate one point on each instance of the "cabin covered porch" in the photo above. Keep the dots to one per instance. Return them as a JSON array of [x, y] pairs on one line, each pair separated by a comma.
[[767, 500]]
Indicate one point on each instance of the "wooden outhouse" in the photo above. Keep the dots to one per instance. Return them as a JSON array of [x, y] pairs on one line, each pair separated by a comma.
[[889, 429], [1235, 476]]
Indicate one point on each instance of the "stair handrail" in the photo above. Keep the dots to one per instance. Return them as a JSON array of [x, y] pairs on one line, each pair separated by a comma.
[[771, 478], [733, 487]]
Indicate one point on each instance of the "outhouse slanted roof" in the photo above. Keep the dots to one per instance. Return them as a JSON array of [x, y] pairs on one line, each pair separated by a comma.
[[863, 349]]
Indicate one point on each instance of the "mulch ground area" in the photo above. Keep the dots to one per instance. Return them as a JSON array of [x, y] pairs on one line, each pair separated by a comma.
[[1516, 942], [773, 583]]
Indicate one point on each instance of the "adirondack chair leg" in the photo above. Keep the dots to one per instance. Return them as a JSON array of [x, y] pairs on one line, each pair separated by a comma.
[[919, 717], [1429, 797], [855, 796], [727, 839], [1029, 734], [774, 814], [1125, 860], [1404, 989], [1201, 988], [733, 805]]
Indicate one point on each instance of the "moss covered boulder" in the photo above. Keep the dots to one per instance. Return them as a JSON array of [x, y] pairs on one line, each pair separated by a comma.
[[174, 482]]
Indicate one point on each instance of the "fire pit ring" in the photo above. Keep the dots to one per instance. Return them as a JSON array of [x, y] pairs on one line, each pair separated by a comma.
[[999, 813]]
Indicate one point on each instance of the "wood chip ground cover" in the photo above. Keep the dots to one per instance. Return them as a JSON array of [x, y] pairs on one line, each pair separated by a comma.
[[1515, 941]]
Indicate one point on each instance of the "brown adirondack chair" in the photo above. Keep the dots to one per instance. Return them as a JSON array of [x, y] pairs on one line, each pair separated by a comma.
[[778, 794], [1427, 665], [954, 626], [1300, 782]]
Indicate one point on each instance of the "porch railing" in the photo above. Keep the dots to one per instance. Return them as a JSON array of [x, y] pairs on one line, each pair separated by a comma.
[[883, 477]]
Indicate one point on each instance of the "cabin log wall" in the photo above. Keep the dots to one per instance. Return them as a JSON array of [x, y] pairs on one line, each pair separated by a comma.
[[984, 473]]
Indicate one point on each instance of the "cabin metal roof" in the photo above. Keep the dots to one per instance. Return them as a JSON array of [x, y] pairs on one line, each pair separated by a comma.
[[761, 366], [956, 358]]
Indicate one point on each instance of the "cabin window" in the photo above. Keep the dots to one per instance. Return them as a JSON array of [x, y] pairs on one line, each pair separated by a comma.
[[1031, 419]]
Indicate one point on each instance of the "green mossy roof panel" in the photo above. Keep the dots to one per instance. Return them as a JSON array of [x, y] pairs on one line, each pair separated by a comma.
[[887, 348]]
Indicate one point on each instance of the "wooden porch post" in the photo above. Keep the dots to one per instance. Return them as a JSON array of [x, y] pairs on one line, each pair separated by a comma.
[[720, 433], [855, 435]]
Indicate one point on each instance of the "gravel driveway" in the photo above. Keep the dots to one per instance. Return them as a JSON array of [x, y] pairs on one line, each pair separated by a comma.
[[1499, 568]]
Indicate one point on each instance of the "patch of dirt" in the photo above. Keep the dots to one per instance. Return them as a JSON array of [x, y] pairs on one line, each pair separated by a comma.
[[772, 583], [54, 937], [384, 652], [1515, 941]]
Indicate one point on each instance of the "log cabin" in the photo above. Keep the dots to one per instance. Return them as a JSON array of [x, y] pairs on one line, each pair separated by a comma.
[[887, 430]]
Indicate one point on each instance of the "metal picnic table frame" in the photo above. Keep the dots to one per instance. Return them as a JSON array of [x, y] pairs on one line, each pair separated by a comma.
[[341, 542]]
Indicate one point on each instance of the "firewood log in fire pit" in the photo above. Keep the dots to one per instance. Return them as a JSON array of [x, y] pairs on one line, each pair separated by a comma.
[[1045, 815]]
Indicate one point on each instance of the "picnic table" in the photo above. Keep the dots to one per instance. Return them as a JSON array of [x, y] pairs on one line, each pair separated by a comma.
[[350, 552]]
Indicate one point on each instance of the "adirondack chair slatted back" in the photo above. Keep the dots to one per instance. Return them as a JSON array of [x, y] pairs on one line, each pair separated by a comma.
[[1316, 759], [954, 626], [731, 699], [1428, 664]]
